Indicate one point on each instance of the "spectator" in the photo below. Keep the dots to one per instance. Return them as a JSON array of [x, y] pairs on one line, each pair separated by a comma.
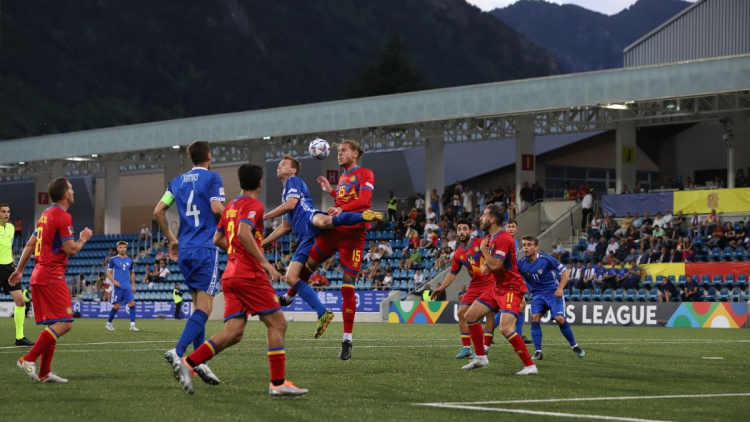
[[527, 196], [601, 249], [386, 282], [711, 222], [658, 231], [609, 277], [435, 204], [385, 248], [625, 224], [632, 257], [557, 250], [658, 220], [392, 206], [740, 181], [415, 258], [599, 272], [625, 190], [318, 280], [695, 224], [145, 233], [679, 223], [591, 250], [690, 292], [419, 202], [663, 256], [718, 183], [639, 188], [372, 255], [612, 246], [418, 279], [146, 274], [667, 290], [587, 205], [674, 257], [163, 271], [576, 275], [538, 192], [687, 250], [740, 234], [430, 225], [441, 297]]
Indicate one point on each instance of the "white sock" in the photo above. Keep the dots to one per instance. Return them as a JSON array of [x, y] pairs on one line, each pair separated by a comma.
[[347, 337], [486, 348]]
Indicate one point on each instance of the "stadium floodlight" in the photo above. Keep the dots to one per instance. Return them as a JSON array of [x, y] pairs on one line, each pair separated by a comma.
[[616, 106], [175, 147], [266, 138], [78, 159], [94, 155]]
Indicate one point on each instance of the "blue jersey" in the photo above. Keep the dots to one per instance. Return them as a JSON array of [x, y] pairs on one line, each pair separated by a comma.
[[542, 275], [300, 218], [193, 192], [121, 269]]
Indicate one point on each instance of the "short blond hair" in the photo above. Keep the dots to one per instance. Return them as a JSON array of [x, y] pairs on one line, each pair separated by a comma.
[[295, 162], [353, 144]]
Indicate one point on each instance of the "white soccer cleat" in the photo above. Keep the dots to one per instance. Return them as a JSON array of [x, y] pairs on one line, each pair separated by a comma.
[[528, 370], [174, 361], [477, 362], [134, 328], [29, 368], [206, 374], [52, 377], [185, 375], [109, 327], [286, 389]]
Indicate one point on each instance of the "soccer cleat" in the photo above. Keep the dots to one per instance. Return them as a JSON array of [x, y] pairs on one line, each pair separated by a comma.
[[526, 340], [528, 370], [346, 350], [323, 322], [578, 351], [285, 300], [134, 328], [538, 355], [206, 374], [52, 377], [29, 368], [477, 362], [174, 361], [24, 342], [286, 389], [370, 215], [109, 327], [465, 352], [185, 375]]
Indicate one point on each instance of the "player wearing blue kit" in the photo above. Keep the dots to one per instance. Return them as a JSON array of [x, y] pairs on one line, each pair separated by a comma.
[[546, 278], [121, 273], [199, 197], [305, 221]]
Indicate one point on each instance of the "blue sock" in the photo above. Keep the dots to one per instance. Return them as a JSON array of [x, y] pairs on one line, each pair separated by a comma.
[[347, 219], [497, 319], [193, 327], [200, 338], [519, 322], [309, 296], [111, 316], [568, 333], [132, 314], [536, 335]]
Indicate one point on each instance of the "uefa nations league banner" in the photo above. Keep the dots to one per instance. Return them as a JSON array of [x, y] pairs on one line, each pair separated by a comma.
[[696, 315], [145, 310], [700, 201], [367, 301]]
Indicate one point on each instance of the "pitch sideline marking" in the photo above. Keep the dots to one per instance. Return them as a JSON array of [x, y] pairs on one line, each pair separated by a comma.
[[677, 396], [540, 413]]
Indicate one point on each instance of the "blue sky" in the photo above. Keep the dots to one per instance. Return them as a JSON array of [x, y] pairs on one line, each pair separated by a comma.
[[608, 7]]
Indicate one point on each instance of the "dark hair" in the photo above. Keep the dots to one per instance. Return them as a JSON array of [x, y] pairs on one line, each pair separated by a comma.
[[511, 221], [4, 205], [497, 213], [354, 145], [463, 221], [250, 176], [198, 152], [532, 239], [295, 162], [57, 188]]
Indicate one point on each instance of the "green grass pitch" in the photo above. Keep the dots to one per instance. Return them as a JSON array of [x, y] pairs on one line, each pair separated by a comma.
[[395, 370]]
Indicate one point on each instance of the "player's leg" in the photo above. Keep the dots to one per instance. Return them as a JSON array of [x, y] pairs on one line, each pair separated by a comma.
[[538, 308], [131, 306], [280, 386], [520, 321], [557, 308], [478, 310], [351, 249], [322, 249], [326, 222], [231, 334], [115, 299], [293, 278], [19, 313], [512, 301], [463, 329]]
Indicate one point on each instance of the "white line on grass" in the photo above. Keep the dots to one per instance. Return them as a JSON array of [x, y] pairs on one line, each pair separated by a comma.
[[681, 396], [540, 413]]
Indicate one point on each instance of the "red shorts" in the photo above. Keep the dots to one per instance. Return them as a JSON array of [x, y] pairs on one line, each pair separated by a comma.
[[502, 300], [349, 242], [473, 293], [251, 295], [51, 303]]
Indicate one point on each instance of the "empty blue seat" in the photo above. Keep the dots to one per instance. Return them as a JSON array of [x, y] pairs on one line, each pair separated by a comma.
[[717, 281], [736, 294], [710, 295], [705, 280], [681, 280], [619, 295], [728, 280], [586, 295], [597, 296], [653, 295], [741, 281], [607, 295], [642, 295], [630, 295], [647, 281], [575, 294], [724, 295]]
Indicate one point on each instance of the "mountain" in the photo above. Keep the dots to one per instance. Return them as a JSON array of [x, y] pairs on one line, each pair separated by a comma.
[[580, 39], [85, 64]]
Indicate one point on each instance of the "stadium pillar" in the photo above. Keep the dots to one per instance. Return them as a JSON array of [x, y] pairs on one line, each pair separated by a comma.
[[51, 171], [112, 198], [525, 159], [625, 149], [172, 167], [258, 157], [434, 162]]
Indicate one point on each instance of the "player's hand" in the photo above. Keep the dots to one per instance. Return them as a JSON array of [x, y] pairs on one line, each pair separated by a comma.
[[485, 242], [324, 184], [334, 211], [435, 293], [15, 278], [485, 269], [273, 275], [174, 249], [558, 293], [85, 234], [117, 284]]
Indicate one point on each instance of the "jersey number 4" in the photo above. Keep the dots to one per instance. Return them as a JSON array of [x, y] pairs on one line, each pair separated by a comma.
[[192, 209]]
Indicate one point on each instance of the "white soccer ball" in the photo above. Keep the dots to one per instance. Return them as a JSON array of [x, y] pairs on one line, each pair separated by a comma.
[[319, 148], [290, 319]]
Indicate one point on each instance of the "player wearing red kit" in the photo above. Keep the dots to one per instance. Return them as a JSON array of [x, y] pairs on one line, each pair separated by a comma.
[[52, 243], [470, 256], [499, 251], [246, 287], [353, 194]]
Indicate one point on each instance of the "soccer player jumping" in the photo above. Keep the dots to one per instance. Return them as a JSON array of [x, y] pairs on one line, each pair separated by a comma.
[[246, 287], [121, 273], [541, 274], [499, 252]]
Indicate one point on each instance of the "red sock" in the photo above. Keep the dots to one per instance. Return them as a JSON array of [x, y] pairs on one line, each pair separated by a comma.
[[477, 337], [204, 353], [277, 361], [488, 336], [518, 345], [47, 337], [465, 339], [46, 363], [349, 308], [291, 292]]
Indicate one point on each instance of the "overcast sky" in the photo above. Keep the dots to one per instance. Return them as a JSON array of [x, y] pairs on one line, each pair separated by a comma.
[[608, 7]]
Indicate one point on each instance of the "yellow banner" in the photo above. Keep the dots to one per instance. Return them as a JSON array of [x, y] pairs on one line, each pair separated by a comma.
[[676, 269], [722, 200]]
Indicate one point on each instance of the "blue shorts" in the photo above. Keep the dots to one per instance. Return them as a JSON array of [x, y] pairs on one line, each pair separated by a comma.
[[305, 238], [200, 267], [548, 302], [121, 296]]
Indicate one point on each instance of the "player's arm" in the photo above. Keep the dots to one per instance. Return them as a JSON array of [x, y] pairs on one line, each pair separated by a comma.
[[494, 263], [564, 276], [246, 234], [71, 247], [282, 209], [217, 207], [220, 240], [17, 274], [281, 230], [111, 277], [326, 186], [132, 278], [444, 285], [160, 214]]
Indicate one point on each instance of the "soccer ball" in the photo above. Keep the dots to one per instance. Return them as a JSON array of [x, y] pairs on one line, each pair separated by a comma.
[[291, 319], [319, 148]]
